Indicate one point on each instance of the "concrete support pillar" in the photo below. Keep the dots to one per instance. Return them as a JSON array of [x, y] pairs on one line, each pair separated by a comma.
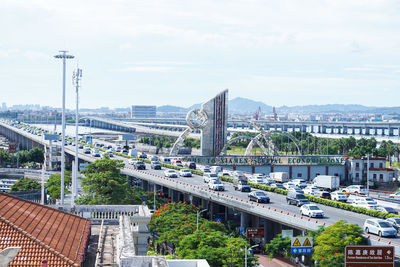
[[344, 130], [255, 221], [204, 203], [196, 201], [323, 129], [145, 185], [244, 219]]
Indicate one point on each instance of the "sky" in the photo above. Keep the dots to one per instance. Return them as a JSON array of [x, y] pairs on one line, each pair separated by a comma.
[[282, 52]]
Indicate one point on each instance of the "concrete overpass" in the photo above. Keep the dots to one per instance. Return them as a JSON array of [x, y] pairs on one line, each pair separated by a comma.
[[228, 204]]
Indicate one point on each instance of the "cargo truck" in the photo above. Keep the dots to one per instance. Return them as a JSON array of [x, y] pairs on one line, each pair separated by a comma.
[[280, 177], [240, 182], [327, 182]]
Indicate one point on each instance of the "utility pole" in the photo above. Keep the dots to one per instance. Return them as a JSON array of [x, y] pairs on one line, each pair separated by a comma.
[[368, 174], [76, 78], [63, 54]]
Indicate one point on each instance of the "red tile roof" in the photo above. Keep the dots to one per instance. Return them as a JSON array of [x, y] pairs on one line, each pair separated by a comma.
[[43, 233]]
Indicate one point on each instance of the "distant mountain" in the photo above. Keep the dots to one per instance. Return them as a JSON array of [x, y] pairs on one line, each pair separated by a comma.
[[240, 105], [171, 109], [337, 108]]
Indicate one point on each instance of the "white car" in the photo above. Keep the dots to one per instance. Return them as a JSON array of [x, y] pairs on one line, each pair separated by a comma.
[[296, 189], [170, 174], [379, 227], [311, 210], [259, 175], [185, 173], [288, 185], [338, 196], [208, 176], [132, 161], [225, 174], [216, 184], [311, 190], [358, 189], [395, 195], [256, 180], [299, 183]]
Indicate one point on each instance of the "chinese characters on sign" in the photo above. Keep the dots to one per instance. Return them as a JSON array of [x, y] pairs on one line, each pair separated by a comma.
[[301, 245], [356, 256]]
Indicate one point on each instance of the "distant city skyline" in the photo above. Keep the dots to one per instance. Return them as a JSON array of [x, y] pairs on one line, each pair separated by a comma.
[[182, 53]]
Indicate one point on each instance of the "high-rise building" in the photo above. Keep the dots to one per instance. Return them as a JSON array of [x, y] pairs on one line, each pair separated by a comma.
[[139, 111], [3, 106]]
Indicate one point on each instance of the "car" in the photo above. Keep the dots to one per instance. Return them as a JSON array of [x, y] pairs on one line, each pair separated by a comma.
[[259, 197], [110, 154], [207, 176], [365, 201], [191, 165], [294, 198], [395, 195], [206, 169], [311, 210], [132, 161], [225, 174], [299, 183], [277, 185], [323, 194], [395, 222], [143, 155], [288, 185], [216, 184], [338, 196], [379, 227], [87, 150], [118, 149], [311, 190], [358, 189], [171, 174], [139, 165], [256, 180], [185, 173], [296, 189], [154, 158], [387, 209], [258, 175], [80, 146], [155, 165], [125, 152]]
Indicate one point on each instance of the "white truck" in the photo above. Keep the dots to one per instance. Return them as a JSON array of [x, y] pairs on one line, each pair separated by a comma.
[[327, 182], [240, 182], [280, 177]]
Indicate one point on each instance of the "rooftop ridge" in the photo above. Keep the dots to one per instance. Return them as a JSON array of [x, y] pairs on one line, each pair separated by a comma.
[[44, 206]]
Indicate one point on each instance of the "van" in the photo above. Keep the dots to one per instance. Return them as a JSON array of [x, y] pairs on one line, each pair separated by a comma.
[[132, 152], [216, 169], [379, 227], [294, 198], [166, 160]]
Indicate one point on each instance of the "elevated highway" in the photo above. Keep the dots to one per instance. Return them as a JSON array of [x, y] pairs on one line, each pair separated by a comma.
[[273, 217]]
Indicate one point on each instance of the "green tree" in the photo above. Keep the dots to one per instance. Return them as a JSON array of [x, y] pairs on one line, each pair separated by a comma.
[[36, 155], [25, 184], [278, 246], [53, 184], [335, 238]]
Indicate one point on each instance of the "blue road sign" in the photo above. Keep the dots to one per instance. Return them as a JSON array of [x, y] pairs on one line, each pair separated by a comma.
[[218, 220], [242, 229], [301, 250]]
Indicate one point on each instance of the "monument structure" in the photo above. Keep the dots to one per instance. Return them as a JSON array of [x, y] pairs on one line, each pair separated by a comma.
[[212, 120]]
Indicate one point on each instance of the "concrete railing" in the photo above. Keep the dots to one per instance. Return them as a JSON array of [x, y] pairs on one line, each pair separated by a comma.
[[108, 213]]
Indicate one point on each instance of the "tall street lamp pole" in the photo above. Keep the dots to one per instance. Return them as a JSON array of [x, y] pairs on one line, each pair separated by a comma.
[[63, 54], [76, 78], [245, 253]]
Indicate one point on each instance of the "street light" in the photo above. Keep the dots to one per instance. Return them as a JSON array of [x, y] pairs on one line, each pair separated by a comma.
[[245, 253], [63, 54], [198, 215], [76, 78]]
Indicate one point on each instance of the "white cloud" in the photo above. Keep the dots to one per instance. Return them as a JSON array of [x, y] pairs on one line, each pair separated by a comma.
[[360, 69]]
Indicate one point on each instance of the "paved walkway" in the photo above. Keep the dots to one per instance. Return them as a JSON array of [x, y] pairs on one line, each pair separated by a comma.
[[265, 261]]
